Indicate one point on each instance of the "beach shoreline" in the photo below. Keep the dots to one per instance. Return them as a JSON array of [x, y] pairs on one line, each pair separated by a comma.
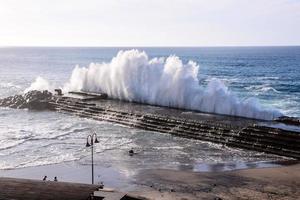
[[281, 183], [79, 171], [166, 184], [276, 182]]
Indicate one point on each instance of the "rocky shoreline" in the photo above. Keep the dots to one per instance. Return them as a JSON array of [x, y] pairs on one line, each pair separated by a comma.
[[230, 131]]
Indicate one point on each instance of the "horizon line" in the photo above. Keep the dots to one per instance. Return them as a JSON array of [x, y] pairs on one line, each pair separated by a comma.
[[138, 46]]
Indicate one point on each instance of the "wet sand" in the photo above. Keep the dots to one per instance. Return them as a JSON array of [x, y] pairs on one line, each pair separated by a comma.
[[73, 172], [258, 184], [276, 183]]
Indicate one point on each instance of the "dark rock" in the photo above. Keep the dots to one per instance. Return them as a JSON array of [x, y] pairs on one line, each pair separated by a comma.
[[35, 100], [289, 120]]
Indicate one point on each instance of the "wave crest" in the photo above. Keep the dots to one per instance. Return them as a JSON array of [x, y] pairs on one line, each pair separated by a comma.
[[40, 84]]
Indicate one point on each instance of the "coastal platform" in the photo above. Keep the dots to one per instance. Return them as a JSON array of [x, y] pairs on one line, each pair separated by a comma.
[[275, 137], [27, 189], [280, 136]]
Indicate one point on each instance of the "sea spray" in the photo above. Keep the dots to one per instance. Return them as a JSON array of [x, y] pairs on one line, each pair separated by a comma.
[[40, 84], [132, 76]]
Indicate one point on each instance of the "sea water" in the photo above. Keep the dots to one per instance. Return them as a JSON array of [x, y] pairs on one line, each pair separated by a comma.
[[270, 75]]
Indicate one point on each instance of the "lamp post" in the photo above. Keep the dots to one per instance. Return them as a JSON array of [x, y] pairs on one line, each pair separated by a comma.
[[90, 140]]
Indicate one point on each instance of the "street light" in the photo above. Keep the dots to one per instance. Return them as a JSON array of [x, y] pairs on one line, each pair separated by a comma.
[[90, 140]]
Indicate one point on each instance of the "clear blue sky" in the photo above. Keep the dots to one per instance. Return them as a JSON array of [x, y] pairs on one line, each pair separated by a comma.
[[149, 23]]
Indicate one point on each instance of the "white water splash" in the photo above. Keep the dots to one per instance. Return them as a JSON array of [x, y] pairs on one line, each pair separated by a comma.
[[132, 76], [40, 84]]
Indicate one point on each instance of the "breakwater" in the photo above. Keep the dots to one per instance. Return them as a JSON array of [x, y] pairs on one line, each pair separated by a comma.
[[276, 137], [230, 131]]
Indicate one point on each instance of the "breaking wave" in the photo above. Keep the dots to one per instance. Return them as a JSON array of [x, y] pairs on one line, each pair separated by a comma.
[[40, 84], [132, 76]]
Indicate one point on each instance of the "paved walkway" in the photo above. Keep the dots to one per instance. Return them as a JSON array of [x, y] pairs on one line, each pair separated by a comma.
[[24, 189]]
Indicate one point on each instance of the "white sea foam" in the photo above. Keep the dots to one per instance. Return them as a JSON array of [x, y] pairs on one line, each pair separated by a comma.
[[132, 76], [9, 85], [262, 88], [40, 84]]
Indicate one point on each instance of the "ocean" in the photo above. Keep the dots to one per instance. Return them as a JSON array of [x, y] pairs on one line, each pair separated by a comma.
[[267, 77]]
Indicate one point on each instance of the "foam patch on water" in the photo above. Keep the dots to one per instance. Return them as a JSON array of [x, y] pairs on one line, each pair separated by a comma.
[[10, 144], [9, 85], [265, 88]]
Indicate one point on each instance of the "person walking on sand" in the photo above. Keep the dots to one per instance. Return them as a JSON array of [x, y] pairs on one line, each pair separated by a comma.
[[55, 179], [45, 178]]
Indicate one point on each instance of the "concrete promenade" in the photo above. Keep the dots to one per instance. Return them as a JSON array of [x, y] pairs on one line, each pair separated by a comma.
[[11, 188]]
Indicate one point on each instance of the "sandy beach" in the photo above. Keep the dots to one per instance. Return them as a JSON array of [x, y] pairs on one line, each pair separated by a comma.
[[258, 184], [280, 183]]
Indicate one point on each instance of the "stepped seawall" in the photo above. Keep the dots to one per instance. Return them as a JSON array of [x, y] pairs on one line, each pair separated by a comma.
[[280, 136], [229, 131]]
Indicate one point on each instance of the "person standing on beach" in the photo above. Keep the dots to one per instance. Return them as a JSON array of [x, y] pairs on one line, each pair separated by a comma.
[[55, 179]]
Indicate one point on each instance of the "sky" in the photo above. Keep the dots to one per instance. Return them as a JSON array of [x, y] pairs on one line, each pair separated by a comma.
[[149, 22]]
